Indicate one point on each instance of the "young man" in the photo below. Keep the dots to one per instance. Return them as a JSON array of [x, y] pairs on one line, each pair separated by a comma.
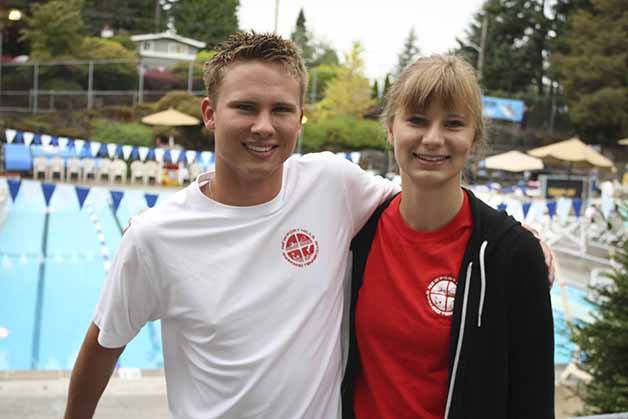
[[244, 267]]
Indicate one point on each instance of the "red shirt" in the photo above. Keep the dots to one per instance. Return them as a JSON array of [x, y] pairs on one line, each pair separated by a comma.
[[403, 316]]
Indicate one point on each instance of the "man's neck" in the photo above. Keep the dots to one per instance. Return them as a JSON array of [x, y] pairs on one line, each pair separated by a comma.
[[238, 193]]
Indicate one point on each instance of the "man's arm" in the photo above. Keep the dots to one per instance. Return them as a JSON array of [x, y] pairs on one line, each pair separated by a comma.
[[92, 370]]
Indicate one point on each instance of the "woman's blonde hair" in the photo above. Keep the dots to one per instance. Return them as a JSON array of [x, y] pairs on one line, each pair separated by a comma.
[[447, 78]]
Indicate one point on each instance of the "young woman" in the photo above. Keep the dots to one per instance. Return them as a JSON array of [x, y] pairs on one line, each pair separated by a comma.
[[451, 313]]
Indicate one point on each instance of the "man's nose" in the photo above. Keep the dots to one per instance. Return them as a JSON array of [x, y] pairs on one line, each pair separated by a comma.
[[263, 125]]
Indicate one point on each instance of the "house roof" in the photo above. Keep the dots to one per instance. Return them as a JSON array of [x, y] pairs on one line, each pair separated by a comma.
[[168, 35]]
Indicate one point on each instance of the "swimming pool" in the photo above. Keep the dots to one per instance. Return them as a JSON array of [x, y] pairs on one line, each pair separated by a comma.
[[49, 286]]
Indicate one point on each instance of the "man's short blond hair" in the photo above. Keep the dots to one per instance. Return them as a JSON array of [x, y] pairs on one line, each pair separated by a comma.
[[251, 46], [447, 78]]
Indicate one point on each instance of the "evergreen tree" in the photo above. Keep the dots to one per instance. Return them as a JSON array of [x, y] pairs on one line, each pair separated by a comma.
[[387, 84], [408, 54], [136, 16], [324, 54], [301, 37], [210, 21], [591, 64], [375, 91], [604, 343], [54, 29]]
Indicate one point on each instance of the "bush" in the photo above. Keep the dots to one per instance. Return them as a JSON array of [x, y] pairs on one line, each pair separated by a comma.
[[343, 133], [181, 101], [121, 133]]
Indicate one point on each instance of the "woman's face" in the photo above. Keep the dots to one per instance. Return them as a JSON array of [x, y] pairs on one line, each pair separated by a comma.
[[432, 145]]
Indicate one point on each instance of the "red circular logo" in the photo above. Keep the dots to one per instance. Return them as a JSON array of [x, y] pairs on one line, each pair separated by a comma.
[[441, 295], [299, 247]]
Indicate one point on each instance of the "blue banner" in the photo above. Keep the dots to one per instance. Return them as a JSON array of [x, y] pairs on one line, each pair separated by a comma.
[[116, 197], [14, 187], [526, 208], [81, 194], [551, 208], [151, 199], [48, 189], [505, 109], [577, 206]]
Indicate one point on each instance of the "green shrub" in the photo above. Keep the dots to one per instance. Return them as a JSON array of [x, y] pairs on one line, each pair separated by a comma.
[[121, 133], [343, 133], [181, 101]]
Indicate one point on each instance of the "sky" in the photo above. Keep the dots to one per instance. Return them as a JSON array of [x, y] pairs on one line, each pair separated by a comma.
[[381, 26]]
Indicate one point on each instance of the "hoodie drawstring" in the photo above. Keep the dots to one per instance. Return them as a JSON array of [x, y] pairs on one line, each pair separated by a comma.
[[459, 346], [483, 281]]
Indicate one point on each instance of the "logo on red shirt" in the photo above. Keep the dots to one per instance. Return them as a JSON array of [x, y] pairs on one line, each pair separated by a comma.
[[441, 293], [299, 247]]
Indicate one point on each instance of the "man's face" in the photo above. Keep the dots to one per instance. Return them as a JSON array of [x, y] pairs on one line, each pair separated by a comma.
[[256, 121]]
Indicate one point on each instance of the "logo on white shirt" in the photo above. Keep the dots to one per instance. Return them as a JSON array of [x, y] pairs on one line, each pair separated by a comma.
[[299, 247], [441, 294]]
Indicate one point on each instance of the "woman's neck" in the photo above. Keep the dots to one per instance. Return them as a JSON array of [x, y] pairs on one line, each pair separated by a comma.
[[428, 209]]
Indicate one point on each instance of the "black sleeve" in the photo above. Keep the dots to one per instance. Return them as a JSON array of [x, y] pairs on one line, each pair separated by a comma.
[[531, 333]]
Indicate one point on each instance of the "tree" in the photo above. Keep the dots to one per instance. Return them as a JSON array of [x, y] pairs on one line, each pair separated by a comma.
[[515, 47], [137, 16], [210, 21], [604, 342], [375, 91], [324, 54], [387, 85], [54, 29], [301, 37], [349, 93], [408, 54], [592, 70]]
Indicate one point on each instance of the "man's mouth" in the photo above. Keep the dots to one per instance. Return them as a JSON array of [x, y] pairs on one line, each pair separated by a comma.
[[259, 148], [431, 159]]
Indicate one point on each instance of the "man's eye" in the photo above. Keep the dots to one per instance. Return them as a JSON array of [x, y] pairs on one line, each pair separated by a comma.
[[417, 120], [244, 107], [283, 109]]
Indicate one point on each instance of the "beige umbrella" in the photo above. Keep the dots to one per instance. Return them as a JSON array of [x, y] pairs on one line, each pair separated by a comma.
[[513, 161], [170, 118], [572, 151], [623, 142]]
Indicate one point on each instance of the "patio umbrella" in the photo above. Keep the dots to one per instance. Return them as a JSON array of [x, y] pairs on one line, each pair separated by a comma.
[[170, 118], [574, 152], [623, 142], [513, 161]]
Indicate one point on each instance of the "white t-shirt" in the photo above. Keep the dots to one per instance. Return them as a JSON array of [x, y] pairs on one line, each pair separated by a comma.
[[250, 298]]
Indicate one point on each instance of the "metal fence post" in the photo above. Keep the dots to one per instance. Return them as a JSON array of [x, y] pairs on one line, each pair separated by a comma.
[[35, 86], [190, 70], [90, 86], [140, 90]]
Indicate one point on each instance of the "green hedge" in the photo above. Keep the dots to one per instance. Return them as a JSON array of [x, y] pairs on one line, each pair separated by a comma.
[[343, 133], [106, 131]]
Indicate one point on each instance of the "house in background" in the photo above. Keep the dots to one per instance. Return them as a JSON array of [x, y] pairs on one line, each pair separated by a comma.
[[164, 50]]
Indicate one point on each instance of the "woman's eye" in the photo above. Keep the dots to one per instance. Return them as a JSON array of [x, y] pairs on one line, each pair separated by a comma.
[[455, 123], [417, 120]]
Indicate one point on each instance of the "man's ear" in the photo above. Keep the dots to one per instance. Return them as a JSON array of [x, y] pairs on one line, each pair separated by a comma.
[[209, 113]]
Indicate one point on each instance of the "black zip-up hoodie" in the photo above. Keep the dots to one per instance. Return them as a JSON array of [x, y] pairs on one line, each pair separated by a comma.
[[501, 354]]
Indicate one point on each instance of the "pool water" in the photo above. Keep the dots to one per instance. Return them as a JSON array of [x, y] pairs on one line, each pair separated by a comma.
[[47, 302]]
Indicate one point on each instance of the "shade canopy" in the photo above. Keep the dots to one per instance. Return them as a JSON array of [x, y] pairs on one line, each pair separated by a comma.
[[623, 142], [572, 151], [170, 118], [513, 161]]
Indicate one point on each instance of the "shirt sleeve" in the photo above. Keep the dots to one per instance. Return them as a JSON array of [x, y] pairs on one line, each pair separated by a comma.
[[363, 191], [129, 297], [531, 335]]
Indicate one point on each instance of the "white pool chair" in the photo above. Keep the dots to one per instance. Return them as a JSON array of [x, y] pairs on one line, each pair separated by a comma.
[[104, 166], [195, 170], [89, 169], [57, 168], [138, 172], [117, 171], [153, 172], [41, 166], [73, 168]]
